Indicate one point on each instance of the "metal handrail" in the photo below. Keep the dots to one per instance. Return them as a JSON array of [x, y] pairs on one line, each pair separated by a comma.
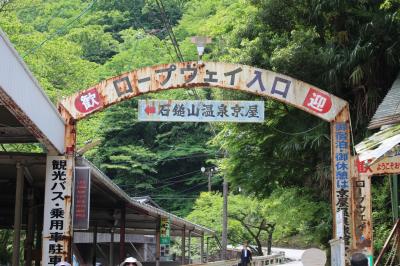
[[257, 261], [395, 230]]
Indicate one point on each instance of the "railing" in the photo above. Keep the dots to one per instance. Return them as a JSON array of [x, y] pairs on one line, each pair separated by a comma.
[[394, 234], [257, 261]]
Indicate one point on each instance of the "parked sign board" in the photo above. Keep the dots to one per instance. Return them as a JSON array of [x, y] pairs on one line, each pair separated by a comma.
[[81, 198]]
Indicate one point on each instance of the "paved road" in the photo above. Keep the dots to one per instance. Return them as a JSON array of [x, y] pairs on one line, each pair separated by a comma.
[[292, 254]]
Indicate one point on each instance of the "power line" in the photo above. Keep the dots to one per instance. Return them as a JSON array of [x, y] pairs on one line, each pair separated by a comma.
[[59, 30], [168, 27], [200, 184], [188, 173], [180, 192], [168, 183], [297, 133], [181, 158]]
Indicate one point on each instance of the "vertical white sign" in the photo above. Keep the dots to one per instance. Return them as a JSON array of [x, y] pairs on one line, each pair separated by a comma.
[[57, 210], [339, 224]]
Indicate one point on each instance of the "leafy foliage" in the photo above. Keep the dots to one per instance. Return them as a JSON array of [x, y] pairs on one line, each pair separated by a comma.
[[349, 48], [300, 220]]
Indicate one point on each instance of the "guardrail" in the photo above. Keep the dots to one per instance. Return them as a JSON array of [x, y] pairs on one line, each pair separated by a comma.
[[257, 261]]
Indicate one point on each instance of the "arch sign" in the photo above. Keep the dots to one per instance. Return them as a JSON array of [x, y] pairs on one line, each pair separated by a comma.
[[220, 75], [235, 77]]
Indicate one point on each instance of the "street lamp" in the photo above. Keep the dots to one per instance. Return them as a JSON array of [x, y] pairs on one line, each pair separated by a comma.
[[200, 42], [209, 172]]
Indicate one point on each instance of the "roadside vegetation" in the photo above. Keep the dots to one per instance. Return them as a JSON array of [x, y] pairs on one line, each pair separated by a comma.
[[282, 166]]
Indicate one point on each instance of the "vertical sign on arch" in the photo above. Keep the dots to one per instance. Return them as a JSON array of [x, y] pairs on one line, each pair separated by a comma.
[[341, 172]]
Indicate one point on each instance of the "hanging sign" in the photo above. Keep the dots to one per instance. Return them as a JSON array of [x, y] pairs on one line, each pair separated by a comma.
[[201, 111], [165, 238], [81, 198], [57, 210], [389, 164]]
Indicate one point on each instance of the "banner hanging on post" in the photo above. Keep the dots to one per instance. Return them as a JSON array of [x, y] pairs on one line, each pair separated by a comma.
[[81, 198], [57, 210], [165, 237]]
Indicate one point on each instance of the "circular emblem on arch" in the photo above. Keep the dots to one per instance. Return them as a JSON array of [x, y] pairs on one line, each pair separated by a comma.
[[88, 101], [318, 101]]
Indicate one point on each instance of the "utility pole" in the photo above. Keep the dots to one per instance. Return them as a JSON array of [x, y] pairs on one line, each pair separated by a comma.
[[224, 219], [210, 172]]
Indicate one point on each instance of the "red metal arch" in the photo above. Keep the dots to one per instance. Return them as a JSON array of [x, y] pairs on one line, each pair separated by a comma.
[[209, 74]]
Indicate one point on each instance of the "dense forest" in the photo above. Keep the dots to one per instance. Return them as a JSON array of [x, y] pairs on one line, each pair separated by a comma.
[[282, 166]]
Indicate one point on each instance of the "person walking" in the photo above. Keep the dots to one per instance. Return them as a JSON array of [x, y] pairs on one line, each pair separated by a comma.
[[359, 259], [131, 261], [63, 263], [245, 255]]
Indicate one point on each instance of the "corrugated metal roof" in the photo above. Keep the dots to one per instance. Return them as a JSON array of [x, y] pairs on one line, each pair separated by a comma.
[[117, 191], [388, 111], [23, 97], [377, 145]]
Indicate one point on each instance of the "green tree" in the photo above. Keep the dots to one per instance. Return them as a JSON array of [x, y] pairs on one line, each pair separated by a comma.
[[299, 219]]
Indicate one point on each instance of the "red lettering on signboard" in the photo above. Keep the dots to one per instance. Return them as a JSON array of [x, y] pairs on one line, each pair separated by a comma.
[[88, 101], [363, 167], [318, 101], [150, 109], [81, 198]]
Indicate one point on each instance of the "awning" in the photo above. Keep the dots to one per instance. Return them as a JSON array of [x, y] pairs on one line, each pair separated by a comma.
[[141, 218], [377, 145], [26, 113]]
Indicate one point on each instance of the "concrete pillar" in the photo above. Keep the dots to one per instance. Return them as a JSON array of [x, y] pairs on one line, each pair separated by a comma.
[[189, 245], [19, 196], [111, 258], [158, 242], [145, 247], [94, 246], [208, 240], [30, 229], [39, 229], [183, 245], [122, 252], [202, 247]]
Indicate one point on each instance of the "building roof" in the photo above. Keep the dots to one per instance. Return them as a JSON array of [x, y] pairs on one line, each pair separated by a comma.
[[106, 198], [26, 113], [388, 111], [141, 218], [374, 147], [146, 200]]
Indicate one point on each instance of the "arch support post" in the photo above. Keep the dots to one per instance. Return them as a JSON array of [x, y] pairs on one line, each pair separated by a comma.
[[341, 177], [57, 217]]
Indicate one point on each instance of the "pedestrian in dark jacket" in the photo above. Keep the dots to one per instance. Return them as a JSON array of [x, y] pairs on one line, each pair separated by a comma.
[[245, 255], [359, 259]]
